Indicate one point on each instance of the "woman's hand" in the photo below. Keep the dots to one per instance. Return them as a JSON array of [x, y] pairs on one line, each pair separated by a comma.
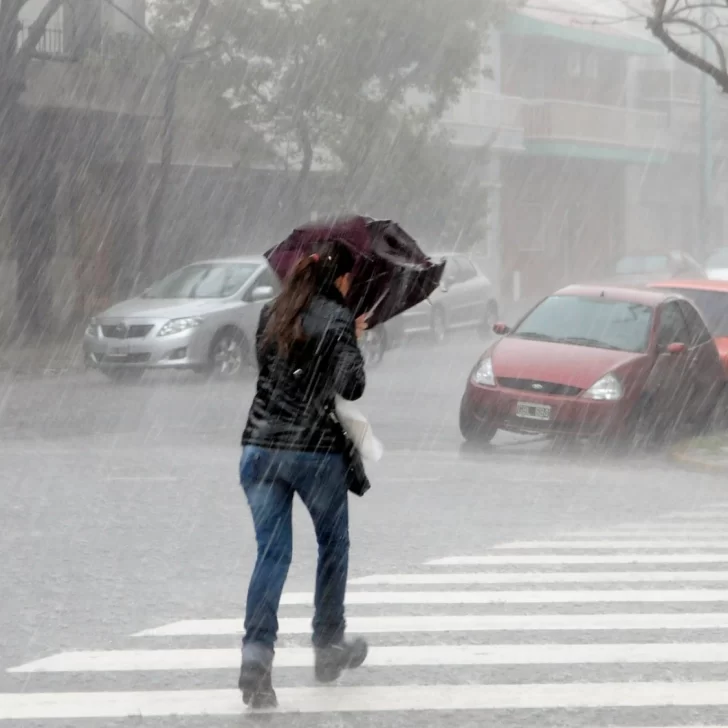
[[361, 325]]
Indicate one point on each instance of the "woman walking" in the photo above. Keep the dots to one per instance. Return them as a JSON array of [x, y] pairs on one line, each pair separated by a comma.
[[307, 353]]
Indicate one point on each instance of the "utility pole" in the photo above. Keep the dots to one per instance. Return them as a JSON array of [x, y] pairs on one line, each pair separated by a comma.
[[706, 155]]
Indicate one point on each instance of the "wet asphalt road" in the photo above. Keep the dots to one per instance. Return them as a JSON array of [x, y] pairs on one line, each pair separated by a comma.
[[121, 512]]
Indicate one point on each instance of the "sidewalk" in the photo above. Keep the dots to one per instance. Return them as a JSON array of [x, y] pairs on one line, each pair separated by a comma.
[[708, 453]]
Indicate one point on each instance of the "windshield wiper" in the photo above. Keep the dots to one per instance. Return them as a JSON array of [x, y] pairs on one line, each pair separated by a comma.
[[588, 342], [533, 335]]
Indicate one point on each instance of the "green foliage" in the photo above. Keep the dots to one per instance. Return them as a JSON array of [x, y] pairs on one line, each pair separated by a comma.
[[329, 84]]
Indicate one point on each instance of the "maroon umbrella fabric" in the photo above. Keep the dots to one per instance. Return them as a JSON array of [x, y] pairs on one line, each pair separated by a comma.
[[391, 273]]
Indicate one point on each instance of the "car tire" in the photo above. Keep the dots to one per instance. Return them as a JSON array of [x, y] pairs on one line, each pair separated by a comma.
[[644, 429], [474, 430], [438, 326], [489, 321], [229, 355]]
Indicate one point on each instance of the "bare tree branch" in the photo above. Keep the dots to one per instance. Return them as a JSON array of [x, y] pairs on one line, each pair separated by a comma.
[[657, 25]]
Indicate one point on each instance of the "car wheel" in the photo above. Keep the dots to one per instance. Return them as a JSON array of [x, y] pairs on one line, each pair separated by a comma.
[[229, 354], [373, 346], [438, 326], [645, 428], [490, 320], [474, 429]]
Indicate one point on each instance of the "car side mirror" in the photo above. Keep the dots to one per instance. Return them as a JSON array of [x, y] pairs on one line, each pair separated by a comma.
[[501, 329], [262, 293], [677, 347]]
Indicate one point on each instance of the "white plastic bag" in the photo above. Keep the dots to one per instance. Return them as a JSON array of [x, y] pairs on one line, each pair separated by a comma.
[[358, 429]]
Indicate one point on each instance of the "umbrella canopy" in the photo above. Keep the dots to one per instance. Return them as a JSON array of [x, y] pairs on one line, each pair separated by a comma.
[[391, 273]]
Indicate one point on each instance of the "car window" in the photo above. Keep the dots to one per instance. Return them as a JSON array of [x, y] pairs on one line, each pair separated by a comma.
[[586, 321], [713, 306], [267, 278], [466, 270], [203, 280], [452, 270], [718, 259], [673, 328], [697, 329]]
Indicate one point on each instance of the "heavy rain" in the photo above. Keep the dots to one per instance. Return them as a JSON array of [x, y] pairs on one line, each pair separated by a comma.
[[364, 363]]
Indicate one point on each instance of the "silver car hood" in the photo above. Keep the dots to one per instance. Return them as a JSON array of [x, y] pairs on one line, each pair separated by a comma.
[[166, 308]]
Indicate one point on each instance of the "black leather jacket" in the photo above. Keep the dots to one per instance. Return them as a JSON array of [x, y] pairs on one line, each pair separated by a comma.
[[293, 397]]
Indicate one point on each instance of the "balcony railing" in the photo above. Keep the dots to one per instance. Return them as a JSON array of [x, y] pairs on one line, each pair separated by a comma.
[[571, 121], [482, 117], [51, 43]]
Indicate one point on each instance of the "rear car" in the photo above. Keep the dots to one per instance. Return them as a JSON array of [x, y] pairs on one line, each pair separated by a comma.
[[716, 265], [596, 361], [465, 300], [202, 317], [711, 299]]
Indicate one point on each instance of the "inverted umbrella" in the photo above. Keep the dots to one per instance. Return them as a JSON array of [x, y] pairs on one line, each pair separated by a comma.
[[391, 273]]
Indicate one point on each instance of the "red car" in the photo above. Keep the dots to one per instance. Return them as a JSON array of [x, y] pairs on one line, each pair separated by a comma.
[[596, 361], [711, 298]]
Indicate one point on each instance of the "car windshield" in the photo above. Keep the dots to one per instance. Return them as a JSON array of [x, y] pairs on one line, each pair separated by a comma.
[[713, 305], [719, 259], [637, 264], [586, 321], [203, 280]]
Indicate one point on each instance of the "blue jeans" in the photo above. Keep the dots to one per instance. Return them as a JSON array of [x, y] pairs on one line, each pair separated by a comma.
[[270, 478]]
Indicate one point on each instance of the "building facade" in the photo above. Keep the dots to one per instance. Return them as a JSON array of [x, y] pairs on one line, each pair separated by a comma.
[[595, 147]]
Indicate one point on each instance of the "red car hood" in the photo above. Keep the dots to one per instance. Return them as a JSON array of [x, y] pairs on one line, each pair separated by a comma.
[[577, 366]]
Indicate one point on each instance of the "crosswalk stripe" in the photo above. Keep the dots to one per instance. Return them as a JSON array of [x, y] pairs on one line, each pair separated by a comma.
[[643, 544], [704, 558], [637, 533], [582, 596], [540, 696], [460, 623], [387, 656], [539, 577]]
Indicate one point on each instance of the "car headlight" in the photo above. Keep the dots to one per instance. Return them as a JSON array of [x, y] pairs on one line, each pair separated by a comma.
[[176, 326], [93, 328], [607, 388], [483, 374]]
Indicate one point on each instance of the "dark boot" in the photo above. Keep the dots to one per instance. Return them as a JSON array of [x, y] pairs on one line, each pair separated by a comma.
[[332, 660], [256, 685]]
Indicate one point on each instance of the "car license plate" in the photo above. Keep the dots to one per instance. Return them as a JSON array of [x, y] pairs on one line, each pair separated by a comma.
[[118, 350], [533, 411]]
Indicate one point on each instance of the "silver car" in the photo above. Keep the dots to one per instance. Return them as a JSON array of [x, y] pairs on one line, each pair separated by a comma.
[[465, 299], [202, 317]]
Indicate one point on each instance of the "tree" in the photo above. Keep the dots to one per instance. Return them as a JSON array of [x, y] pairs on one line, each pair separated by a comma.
[[677, 23], [359, 86], [23, 196]]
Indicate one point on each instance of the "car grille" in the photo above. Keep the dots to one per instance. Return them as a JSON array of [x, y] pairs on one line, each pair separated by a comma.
[[538, 387], [128, 359], [136, 331]]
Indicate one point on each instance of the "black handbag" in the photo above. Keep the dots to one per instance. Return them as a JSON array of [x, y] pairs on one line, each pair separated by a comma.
[[357, 481]]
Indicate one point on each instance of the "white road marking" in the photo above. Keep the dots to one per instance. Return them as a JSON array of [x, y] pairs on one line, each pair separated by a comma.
[[582, 596], [539, 577], [153, 703], [396, 656], [512, 560], [642, 544], [460, 623]]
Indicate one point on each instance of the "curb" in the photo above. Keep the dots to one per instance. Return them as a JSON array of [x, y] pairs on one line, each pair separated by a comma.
[[678, 455]]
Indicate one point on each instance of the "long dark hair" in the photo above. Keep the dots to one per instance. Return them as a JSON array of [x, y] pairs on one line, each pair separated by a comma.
[[313, 274]]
